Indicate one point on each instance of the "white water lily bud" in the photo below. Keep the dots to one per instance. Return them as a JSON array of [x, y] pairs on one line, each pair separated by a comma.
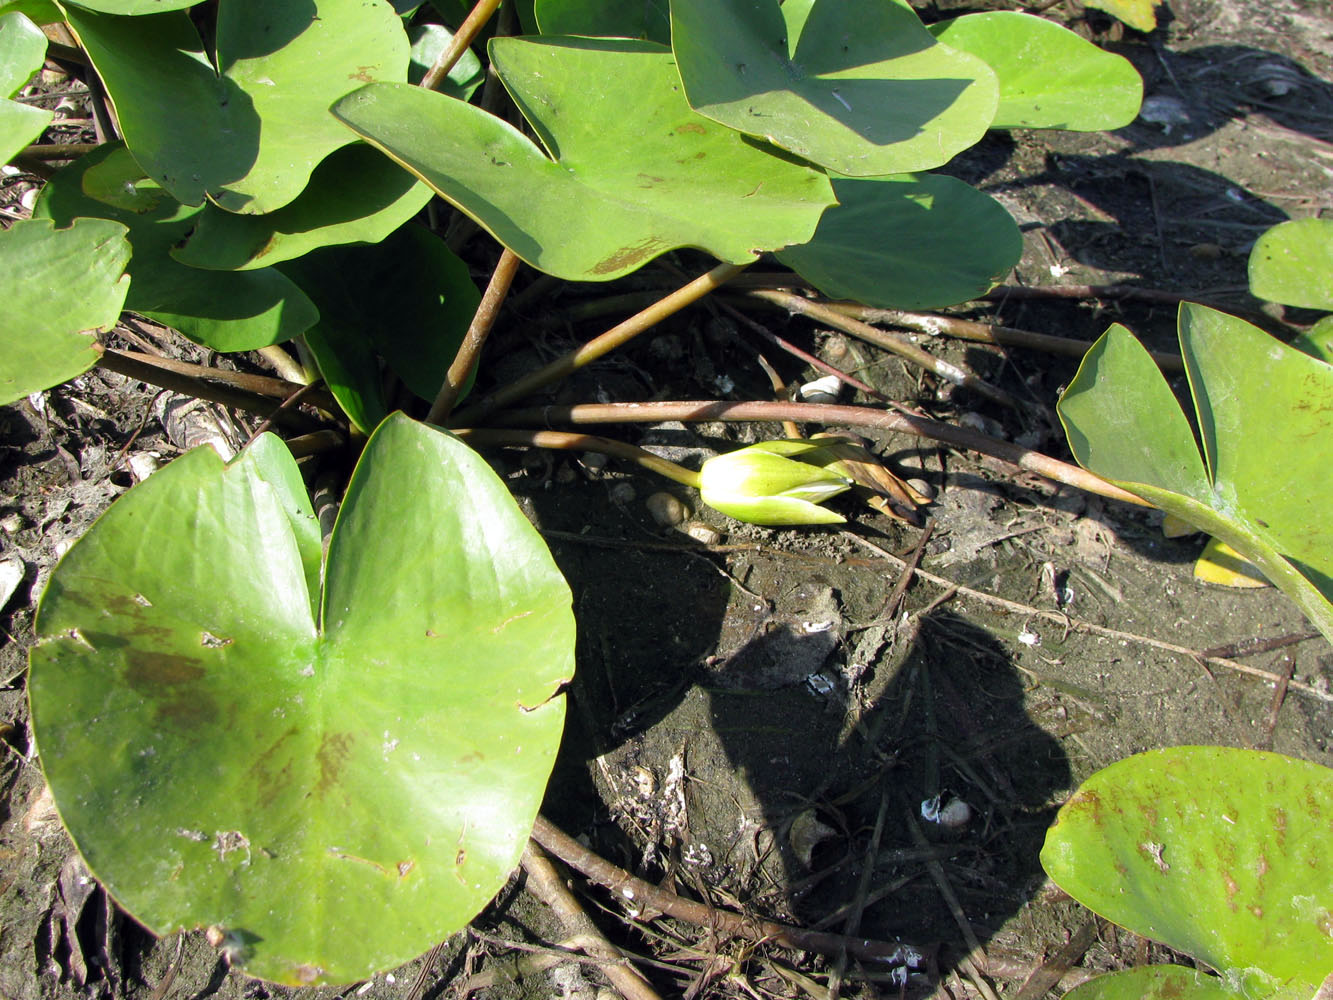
[[773, 482]]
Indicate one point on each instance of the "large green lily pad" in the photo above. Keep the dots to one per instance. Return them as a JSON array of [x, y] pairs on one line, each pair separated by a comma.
[[1156, 982], [1261, 484], [1215, 852], [1049, 76], [61, 287], [228, 311], [22, 50], [628, 177], [1292, 263], [857, 86], [334, 780], [248, 132], [648, 19], [913, 241], [356, 195]]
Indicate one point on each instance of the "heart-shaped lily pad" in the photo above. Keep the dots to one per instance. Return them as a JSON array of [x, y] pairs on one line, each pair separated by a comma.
[[228, 311], [62, 286], [1292, 263], [1215, 852], [356, 195], [627, 180], [911, 241], [335, 780], [249, 132], [22, 49], [1049, 76], [857, 86], [1261, 484]]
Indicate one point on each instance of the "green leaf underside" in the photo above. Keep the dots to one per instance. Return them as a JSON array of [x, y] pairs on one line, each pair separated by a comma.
[[1215, 852], [408, 300], [22, 50], [339, 797], [1260, 482], [356, 195], [647, 19], [1049, 76], [1155, 982], [61, 286], [908, 242], [1292, 263], [248, 137], [228, 311], [627, 183], [857, 86]]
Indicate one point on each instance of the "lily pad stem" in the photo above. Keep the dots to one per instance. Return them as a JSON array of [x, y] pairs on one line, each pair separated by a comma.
[[828, 414], [567, 440], [463, 37], [482, 322], [617, 336]]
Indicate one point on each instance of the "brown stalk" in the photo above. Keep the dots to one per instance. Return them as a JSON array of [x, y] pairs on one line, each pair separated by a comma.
[[478, 330], [545, 883], [829, 415], [901, 346], [645, 895], [463, 37], [617, 336]]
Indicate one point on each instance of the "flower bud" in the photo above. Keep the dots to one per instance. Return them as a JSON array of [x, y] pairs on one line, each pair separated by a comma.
[[773, 482]]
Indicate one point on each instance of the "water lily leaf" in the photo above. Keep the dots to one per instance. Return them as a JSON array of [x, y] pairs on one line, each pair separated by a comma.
[[1263, 418], [38, 11], [1049, 76], [22, 51], [249, 132], [1292, 263], [648, 19], [912, 241], [857, 86], [335, 781], [62, 285], [356, 195], [132, 8], [408, 300], [1317, 341], [428, 41], [227, 311], [1138, 14], [1155, 982], [622, 185], [1215, 852]]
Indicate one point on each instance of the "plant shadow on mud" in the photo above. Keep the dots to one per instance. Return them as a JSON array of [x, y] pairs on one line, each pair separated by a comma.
[[745, 735]]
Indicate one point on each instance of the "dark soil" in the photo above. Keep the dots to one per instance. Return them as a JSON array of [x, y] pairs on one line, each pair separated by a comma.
[[748, 712]]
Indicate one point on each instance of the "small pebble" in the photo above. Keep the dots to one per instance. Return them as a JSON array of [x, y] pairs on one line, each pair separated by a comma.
[[821, 390], [11, 523], [924, 488], [703, 533], [666, 510], [622, 493]]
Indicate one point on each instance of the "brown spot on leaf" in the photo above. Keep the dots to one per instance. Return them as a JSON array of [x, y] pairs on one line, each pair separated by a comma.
[[690, 127], [332, 755], [627, 257]]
